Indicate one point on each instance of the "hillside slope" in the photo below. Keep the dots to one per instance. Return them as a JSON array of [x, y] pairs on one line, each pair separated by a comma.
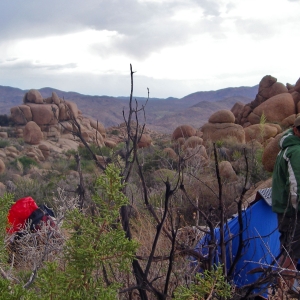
[[161, 114]]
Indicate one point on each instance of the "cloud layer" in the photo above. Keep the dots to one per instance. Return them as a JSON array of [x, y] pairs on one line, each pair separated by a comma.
[[197, 43]]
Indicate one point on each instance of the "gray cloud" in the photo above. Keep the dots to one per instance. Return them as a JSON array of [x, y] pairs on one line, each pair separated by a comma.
[[142, 27], [15, 64]]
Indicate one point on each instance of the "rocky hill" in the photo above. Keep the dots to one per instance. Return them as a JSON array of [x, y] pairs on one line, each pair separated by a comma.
[[161, 114], [44, 130]]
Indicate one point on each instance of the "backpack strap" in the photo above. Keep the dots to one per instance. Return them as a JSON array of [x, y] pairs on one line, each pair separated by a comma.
[[35, 218]]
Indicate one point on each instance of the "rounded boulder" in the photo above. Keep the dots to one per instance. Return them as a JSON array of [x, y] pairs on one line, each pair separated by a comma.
[[192, 142], [170, 153], [223, 131], [2, 166], [270, 153], [260, 132], [222, 116], [46, 114], [297, 86], [226, 171], [145, 141], [34, 96], [276, 108], [98, 126], [184, 131], [21, 114], [266, 82], [32, 133]]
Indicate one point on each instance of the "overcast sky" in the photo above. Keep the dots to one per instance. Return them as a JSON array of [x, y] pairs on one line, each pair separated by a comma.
[[176, 47]]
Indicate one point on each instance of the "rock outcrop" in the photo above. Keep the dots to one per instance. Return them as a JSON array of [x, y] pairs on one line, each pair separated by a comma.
[[32, 133], [270, 153], [275, 100], [2, 166], [275, 109], [145, 141], [54, 119], [222, 116], [184, 131], [221, 131]]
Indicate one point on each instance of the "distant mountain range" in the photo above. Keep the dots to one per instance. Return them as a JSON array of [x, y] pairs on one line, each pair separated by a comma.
[[162, 115]]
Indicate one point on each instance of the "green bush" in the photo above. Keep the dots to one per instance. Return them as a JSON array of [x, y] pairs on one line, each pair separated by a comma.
[[85, 153], [95, 251], [26, 162], [210, 283], [115, 132], [5, 120], [4, 143]]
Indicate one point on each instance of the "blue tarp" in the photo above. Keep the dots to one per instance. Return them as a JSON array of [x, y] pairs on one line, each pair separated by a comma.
[[261, 238]]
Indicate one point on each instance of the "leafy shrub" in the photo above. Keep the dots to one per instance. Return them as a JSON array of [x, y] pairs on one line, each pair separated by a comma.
[[85, 153], [219, 143], [115, 132], [21, 141], [88, 166], [63, 165], [35, 188], [4, 143], [236, 155], [25, 161], [95, 252], [5, 120], [210, 284]]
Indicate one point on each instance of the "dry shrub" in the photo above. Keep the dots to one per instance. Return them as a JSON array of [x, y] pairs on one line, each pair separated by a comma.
[[144, 231], [29, 250]]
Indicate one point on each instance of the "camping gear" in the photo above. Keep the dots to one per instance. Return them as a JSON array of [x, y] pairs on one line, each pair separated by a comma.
[[19, 213], [261, 245], [26, 211]]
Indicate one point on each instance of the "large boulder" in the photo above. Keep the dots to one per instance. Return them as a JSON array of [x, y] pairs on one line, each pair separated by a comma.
[[223, 131], [184, 131], [260, 132], [45, 150], [226, 171], [145, 141], [33, 96], [289, 121], [192, 142], [276, 89], [237, 110], [46, 114], [65, 127], [266, 82], [67, 110], [275, 109], [55, 99], [273, 90], [32, 133], [170, 153], [2, 166], [296, 97], [98, 126], [222, 116], [73, 108], [198, 150], [2, 189], [297, 86], [270, 153], [21, 114], [110, 143]]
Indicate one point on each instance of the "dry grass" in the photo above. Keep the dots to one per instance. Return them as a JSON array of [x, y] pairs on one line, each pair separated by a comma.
[[144, 231]]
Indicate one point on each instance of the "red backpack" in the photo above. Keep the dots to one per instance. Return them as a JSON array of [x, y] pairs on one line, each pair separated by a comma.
[[19, 213]]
